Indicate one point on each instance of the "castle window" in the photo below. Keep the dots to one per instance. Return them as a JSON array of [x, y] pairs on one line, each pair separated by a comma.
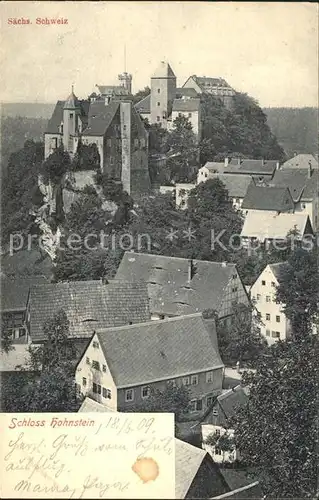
[[71, 115], [109, 142], [158, 91], [136, 143], [158, 104]]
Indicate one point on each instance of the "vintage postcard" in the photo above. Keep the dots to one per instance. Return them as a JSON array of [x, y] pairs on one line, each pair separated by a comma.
[[159, 249]]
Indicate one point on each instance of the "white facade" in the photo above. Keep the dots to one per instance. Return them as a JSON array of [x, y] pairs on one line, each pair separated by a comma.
[[311, 208], [216, 453], [94, 378], [274, 325], [192, 116]]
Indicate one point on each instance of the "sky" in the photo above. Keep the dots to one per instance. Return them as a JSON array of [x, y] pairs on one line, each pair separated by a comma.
[[269, 50]]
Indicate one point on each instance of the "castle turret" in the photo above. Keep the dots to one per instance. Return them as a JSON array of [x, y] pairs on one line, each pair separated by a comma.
[[163, 92], [70, 125], [125, 80]]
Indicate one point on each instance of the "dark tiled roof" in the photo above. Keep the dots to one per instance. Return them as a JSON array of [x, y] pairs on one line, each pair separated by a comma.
[[277, 269], [268, 198], [188, 459], [186, 104], [27, 263], [167, 279], [89, 305], [187, 92], [312, 187], [293, 178], [100, 123], [14, 292], [144, 106], [162, 349], [236, 185], [251, 166], [236, 478], [112, 90], [227, 404], [211, 82], [57, 116]]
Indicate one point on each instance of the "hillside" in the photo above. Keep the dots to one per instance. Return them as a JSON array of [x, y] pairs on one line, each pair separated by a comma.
[[295, 128], [27, 109]]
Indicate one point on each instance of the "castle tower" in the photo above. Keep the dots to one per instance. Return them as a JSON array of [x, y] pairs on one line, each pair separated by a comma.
[[125, 80], [70, 118], [163, 92], [126, 131]]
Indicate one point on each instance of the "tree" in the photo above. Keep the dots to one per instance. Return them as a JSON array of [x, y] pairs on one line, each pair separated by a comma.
[[225, 442], [6, 336], [141, 94], [87, 157], [171, 399], [277, 431], [183, 151], [298, 290], [55, 166], [241, 341], [48, 382]]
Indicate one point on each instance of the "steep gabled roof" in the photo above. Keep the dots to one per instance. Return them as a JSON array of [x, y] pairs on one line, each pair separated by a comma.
[[186, 92], [164, 71], [188, 459], [14, 292], [296, 179], [277, 269], [268, 198], [158, 350], [236, 185], [264, 225], [88, 305], [107, 90], [214, 166], [227, 405], [301, 161], [99, 124], [186, 105], [57, 116], [90, 405], [144, 106], [167, 279]]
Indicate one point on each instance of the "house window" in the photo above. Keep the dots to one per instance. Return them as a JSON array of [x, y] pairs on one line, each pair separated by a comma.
[[109, 142], [268, 333], [158, 104], [267, 317], [218, 451], [124, 127], [87, 360], [145, 392], [129, 395], [106, 393], [194, 379], [104, 368], [71, 115], [171, 382], [189, 115], [195, 405], [84, 381], [95, 365], [209, 377], [209, 401], [258, 297], [268, 299], [217, 432], [275, 335], [185, 381], [158, 118], [277, 319], [273, 284], [158, 91], [263, 282], [95, 344], [180, 115], [136, 143], [215, 412], [143, 143], [97, 389], [234, 289]]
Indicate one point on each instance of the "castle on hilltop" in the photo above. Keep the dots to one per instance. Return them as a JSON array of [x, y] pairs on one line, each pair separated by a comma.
[[166, 101]]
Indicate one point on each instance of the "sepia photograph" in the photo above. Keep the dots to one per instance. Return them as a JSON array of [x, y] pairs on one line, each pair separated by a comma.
[[159, 250]]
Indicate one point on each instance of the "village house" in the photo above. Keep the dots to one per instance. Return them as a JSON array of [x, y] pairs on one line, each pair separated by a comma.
[[274, 324], [236, 184], [301, 161], [116, 129], [274, 200], [217, 424], [14, 297], [265, 227], [303, 185], [260, 170], [88, 305], [178, 286], [121, 365]]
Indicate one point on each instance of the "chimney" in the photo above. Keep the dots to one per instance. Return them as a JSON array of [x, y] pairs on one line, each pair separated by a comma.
[[190, 270], [277, 165], [295, 153], [226, 162], [104, 280], [309, 170], [262, 162], [238, 161]]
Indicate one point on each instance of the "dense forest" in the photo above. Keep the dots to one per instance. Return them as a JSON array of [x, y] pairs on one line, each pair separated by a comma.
[[295, 128]]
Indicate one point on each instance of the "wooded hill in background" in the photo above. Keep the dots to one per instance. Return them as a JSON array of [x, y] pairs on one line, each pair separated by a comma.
[[296, 129]]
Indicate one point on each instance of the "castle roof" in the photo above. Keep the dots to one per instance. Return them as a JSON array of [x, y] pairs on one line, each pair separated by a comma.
[[99, 124], [164, 71], [186, 104], [71, 102]]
